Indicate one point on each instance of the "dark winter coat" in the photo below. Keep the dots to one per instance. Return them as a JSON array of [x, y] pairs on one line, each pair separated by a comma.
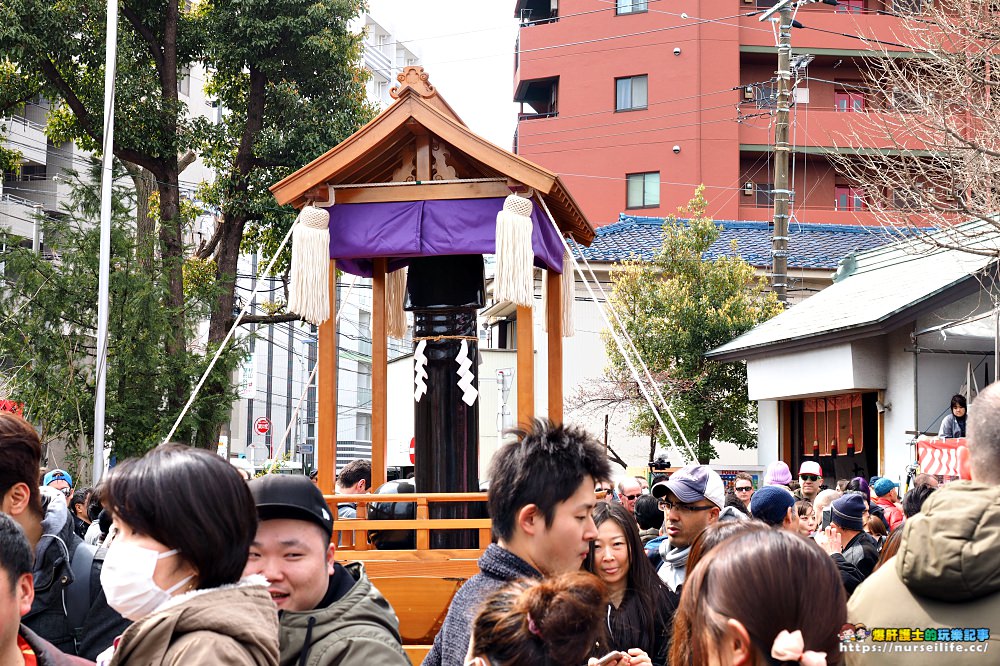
[[46, 654], [856, 560], [53, 576], [358, 627], [498, 566]]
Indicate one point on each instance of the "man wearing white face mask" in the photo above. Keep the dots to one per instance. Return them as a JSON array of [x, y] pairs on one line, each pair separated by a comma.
[[177, 572], [69, 608]]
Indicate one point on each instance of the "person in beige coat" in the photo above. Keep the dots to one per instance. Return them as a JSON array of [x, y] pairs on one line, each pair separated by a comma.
[[946, 574], [183, 523]]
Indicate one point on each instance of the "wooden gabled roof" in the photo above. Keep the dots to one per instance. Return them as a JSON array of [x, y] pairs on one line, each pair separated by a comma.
[[376, 152]]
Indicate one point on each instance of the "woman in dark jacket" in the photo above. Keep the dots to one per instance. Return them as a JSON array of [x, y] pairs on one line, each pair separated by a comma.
[[641, 609]]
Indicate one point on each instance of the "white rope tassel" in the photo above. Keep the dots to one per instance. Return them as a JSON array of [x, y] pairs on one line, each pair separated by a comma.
[[568, 296], [419, 371], [395, 297], [465, 376], [515, 277], [309, 283]]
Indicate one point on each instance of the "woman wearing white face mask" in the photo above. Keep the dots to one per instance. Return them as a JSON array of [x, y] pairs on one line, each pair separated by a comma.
[[184, 520]]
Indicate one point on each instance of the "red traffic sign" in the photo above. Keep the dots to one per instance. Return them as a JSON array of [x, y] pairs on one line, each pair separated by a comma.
[[262, 425], [413, 447]]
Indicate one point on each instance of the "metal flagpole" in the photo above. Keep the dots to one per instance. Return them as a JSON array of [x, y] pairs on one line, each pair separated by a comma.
[[110, 60]]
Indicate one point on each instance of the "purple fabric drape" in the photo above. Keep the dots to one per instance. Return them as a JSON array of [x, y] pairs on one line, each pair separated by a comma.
[[400, 230]]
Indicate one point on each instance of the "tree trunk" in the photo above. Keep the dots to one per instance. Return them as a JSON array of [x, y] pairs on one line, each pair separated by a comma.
[[705, 443], [145, 226], [172, 253]]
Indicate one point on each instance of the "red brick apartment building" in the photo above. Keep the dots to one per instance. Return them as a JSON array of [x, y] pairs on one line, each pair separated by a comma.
[[635, 102]]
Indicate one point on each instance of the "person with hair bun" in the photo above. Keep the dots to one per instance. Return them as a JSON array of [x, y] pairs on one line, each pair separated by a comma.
[[555, 621], [762, 609]]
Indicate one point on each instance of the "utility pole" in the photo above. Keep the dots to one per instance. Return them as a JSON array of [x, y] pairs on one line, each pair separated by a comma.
[[781, 191]]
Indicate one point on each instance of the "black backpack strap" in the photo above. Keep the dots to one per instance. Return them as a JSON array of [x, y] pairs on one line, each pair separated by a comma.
[[77, 593]]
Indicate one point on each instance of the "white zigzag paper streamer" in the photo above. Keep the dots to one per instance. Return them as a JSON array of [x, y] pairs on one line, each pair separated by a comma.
[[419, 371], [465, 377]]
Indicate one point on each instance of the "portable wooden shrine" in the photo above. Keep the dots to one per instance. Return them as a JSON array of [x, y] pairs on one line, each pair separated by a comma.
[[415, 189]]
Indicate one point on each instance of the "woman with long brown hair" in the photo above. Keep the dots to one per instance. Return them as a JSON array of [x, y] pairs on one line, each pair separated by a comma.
[[760, 597]]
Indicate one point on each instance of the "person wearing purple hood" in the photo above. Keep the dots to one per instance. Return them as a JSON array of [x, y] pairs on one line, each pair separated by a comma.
[[777, 474]]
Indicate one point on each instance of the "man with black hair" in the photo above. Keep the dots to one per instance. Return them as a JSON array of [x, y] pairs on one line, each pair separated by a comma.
[[541, 496], [330, 614], [69, 608], [914, 499], [649, 517], [18, 644], [79, 504]]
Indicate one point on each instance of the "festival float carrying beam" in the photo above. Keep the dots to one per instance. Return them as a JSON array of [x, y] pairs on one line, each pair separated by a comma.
[[416, 188]]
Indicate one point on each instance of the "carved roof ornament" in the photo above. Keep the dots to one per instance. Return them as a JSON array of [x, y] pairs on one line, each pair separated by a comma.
[[417, 79]]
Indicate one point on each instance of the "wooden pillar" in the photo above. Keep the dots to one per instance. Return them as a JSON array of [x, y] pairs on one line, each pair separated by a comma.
[[326, 407], [554, 320], [380, 359], [525, 366]]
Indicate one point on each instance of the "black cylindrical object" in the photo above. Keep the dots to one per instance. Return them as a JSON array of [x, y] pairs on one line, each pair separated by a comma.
[[444, 294]]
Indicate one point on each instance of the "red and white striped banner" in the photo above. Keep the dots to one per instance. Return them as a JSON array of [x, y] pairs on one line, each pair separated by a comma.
[[939, 456]]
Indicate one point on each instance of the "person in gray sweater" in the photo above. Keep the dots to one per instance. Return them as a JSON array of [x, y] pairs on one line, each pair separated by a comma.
[[540, 500]]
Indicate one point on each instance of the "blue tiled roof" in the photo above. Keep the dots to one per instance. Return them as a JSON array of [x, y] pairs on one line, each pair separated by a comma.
[[819, 246]]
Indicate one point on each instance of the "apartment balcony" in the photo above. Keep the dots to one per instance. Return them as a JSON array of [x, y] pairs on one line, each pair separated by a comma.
[[27, 137], [757, 35], [378, 61], [17, 215], [821, 129]]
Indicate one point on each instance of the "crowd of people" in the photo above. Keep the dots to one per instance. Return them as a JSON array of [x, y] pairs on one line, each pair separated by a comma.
[[176, 558]]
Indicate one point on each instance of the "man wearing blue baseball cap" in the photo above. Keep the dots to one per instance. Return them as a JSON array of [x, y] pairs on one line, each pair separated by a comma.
[[60, 480], [886, 493], [691, 500]]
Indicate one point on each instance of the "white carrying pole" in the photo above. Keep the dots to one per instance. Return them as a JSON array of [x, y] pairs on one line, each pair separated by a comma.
[[110, 60]]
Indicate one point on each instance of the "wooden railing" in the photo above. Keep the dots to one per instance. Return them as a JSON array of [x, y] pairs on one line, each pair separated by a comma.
[[353, 532], [419, 583]]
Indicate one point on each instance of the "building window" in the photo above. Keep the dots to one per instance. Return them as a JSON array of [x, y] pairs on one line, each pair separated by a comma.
[[364, 428], [364, 385], [184, 81], [643, 190], [850, 7], [631, 6], [631, 93], [849, 198], [849, 102], [764, 195], [365, 333]]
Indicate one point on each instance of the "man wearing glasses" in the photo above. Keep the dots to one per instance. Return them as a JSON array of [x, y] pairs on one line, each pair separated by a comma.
[[691, 500], [810, 478], [743, 487], [629, 491]]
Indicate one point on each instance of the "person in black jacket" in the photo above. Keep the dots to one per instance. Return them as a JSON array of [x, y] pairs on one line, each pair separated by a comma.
[[69, 609], [853, 551], [17, 642]]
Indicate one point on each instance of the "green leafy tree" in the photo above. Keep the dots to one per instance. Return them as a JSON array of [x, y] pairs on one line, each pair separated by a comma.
[[48, 340], [677, 307], [287, 77]]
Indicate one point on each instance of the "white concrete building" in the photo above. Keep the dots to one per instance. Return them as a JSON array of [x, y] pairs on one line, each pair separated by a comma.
[[871, 362]]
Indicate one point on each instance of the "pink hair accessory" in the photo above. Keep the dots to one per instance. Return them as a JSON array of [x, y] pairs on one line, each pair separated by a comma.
[[791, 647], [532, 627]]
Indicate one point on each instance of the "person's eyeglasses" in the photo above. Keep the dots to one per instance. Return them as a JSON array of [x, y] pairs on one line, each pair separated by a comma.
[[809, 477], [683, 508], [632, 498], [744, 489]]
